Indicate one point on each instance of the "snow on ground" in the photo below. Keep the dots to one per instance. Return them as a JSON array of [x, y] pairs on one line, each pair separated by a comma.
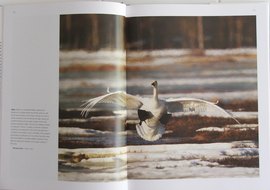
[[238, 115], [186, 169], [92, 164], [245, 115], [172, 56], [192, 81], [73, 131], [242, 127], [237, 51], [114, 151], [166, 56], [74, 83], [68, 58], [157, 162], [211, 129], [93, 176], [188, 150], [182, 52], [188, 161]]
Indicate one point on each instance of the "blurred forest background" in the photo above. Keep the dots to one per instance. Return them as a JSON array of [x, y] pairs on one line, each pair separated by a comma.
[[91, 32], [96, 32]]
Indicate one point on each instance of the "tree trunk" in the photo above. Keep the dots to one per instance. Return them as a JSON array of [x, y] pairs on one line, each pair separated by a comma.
[[95, 35], [239, 32], [200, 35]]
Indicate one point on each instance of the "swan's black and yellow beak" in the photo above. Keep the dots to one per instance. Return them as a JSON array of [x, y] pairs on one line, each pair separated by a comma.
[[154, 83]]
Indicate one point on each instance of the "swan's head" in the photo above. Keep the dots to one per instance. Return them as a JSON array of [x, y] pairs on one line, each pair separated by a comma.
[[154, 84]]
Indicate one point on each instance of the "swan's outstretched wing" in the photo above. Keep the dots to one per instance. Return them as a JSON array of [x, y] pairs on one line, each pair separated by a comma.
[[197, 107], [118, 98]]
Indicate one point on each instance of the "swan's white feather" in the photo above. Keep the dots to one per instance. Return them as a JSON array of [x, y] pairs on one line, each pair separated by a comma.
[[197, 106], [118, 98], [150, 133], [151, 129]]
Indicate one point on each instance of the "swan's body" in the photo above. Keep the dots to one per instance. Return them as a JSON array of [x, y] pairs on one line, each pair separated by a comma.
[[154, 113], [152, 127]]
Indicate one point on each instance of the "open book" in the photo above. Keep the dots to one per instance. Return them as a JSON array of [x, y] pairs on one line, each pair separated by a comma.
[[100, 95]]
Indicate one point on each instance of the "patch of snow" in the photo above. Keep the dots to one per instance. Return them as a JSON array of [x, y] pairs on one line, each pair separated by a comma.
[[78, 131], [115, 150], [245, 115], [92, 176], [235, 51], [192, 81], [68, 58], [211, 129], [239, 126], [188, 161], [183, 52]]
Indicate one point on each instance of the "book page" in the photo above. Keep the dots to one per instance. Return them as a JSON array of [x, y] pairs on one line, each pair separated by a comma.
[[53, 55], [202, 74], [92, 140]]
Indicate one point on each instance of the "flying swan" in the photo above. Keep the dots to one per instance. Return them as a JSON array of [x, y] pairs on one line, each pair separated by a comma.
[[155, 113]]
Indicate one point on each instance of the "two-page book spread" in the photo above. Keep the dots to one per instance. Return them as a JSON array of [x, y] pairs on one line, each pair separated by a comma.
[[100, 95]]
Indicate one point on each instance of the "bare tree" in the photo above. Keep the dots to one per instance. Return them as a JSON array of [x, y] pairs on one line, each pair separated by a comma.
[[200, 35], [94, 38], [239, 31]]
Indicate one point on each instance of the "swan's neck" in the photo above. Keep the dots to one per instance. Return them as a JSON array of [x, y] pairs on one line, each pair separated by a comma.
[[155, 93]]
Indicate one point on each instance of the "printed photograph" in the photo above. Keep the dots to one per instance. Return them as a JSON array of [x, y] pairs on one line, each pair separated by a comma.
[[197, 80], [92, 142], [157, 98]]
